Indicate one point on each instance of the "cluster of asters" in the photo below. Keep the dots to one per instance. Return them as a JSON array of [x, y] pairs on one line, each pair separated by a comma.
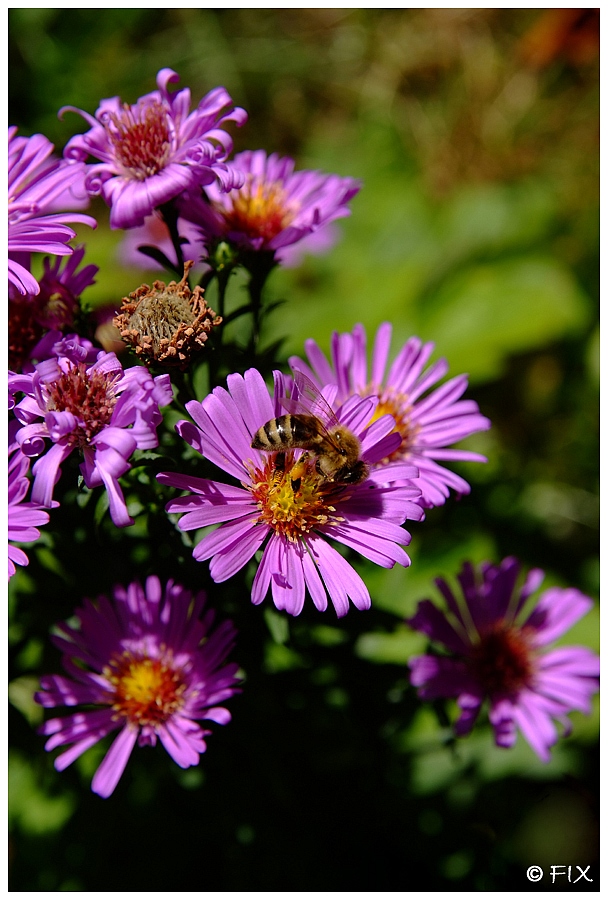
[[145, 661]]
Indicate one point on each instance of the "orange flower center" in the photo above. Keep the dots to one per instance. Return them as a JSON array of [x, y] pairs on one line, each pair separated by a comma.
[[398, 406], [258, 209], [145, 691]]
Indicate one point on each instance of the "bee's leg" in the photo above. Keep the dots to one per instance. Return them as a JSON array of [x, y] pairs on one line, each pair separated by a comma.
[[279, 461], [323, 471], [300, 467]]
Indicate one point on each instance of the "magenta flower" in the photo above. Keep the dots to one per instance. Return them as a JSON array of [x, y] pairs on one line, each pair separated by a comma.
[[23, 516], [427, 421], [100, 409], [144, 662], [40, 190], [274, 208], [63, 282], [284, 498], [38, 322], [496, 652], [152, 151]]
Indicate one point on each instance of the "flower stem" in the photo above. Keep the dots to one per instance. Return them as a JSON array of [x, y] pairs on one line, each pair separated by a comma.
[[214, 358], [259, 265], [169, 214]]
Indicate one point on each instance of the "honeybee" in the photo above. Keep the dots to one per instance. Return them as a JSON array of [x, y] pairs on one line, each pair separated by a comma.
[[312, 425]]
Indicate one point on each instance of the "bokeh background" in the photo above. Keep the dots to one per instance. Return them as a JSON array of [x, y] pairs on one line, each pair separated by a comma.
[[475, 132]]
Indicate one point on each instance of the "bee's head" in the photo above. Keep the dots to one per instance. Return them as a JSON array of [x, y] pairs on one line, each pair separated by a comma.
[[347, 444]]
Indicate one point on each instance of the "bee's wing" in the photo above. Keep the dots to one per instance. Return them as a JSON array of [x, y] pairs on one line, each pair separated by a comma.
[[308, 400]]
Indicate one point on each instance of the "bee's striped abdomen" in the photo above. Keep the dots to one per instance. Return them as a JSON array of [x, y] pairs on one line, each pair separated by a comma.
[[271, 436], [285, 431]]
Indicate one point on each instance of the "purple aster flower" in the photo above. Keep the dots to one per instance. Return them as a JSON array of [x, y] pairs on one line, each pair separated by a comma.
[[152, 151], [144, 662], [496, 651], [40, 189], [23, 516], [274, 208], [283, 497], [103, 411], [427, 421], [36, 322]]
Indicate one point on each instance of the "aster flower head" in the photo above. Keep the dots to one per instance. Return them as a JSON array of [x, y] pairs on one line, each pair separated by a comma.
[[101, 410], [284, 502], [496, 652], [275, 207], [23, 515], [40, 191], [429, 419], [55, 308], [167, 324], [153, 150], [144, 662]]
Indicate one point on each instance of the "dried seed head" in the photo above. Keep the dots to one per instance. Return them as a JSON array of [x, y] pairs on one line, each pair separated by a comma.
[[166, 324]]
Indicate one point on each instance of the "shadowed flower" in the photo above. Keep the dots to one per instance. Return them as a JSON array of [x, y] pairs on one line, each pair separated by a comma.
[[496, 652], [155, 233], [274, 208], [146, 662], [101, 410], [284, 498], [427, 421], [152, 151], [168, 324], [40, 189], [23, 516], [55, 308]]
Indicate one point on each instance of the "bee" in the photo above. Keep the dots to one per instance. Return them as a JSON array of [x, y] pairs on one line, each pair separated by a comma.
[[311, 424]]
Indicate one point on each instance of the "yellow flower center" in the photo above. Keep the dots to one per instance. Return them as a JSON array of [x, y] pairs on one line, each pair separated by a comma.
[[146, 691], [293, 498], [398, 406], [258, 209]]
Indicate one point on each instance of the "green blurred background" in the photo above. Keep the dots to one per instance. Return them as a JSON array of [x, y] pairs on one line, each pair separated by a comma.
[[475, 132]]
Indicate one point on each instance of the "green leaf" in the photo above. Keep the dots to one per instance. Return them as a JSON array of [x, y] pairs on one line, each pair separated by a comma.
[[484, 314], [396, 648], [30, 805]]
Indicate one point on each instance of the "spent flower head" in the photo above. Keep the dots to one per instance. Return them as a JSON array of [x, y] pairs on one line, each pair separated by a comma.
[[145, 662], [166, 324], [100, 410], [428, 421], [151, 151], [283, 500], [496, 652]]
